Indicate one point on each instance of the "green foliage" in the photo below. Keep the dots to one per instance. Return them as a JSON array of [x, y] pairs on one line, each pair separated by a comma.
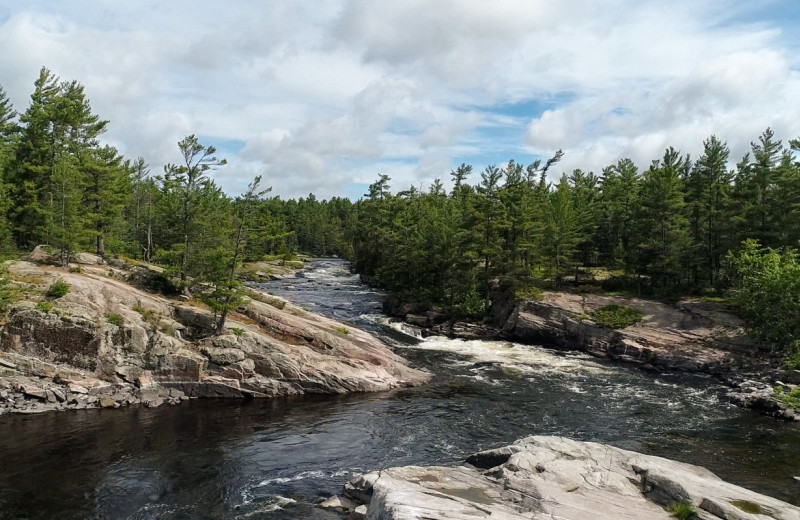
[[530, 293], [75, 269], [791, 398], [115, 319], [58, 289], [616, 316], [237, 331], [766, 285], [148, 315], [681, 510], [44, 306], [342, 330], [793, 361]]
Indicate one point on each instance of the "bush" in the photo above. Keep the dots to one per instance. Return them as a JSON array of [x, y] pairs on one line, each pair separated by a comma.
[[115, 319], [44, 306], [58, 289], [237, 331], [791, 398], [766, 284], [681, 510], [75, 269], [616, 316]]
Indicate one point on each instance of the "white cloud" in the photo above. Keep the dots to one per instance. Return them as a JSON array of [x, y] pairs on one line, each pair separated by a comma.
[[326, 94]]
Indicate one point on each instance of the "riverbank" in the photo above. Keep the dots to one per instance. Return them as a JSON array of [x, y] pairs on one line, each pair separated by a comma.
[[542, 477], [118, 337], [692, 336]]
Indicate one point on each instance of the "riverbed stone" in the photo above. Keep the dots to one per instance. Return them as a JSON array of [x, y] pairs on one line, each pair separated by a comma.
[[546, 478]]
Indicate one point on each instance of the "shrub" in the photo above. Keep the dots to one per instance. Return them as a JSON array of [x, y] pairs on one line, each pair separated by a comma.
[[115, 319], [791, 398], [237, 331], [44, 306], [766, 285], [616, 316], [342, 330], [58, 289], [75, 269], [148, 315], [793, 361], [681, 510]]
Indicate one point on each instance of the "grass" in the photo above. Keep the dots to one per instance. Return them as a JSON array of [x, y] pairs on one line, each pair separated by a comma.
[[616, 316], [75, 269], [148, 315], [791, 398], [530, 293], [44, 306], [237, 331], [681, 510], [342, 330], [58, 289], [115, 319]]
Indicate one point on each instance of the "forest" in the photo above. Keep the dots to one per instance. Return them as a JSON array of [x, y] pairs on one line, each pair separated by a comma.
[[676, 227]]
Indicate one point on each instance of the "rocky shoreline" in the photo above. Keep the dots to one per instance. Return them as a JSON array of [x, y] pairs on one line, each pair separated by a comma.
[[544, 478], [690, 336], [115, 339]]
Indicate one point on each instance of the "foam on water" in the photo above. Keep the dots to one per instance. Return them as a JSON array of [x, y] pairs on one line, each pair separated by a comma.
[[515, 356]]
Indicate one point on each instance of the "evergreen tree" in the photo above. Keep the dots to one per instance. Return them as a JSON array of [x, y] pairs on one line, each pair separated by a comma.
[[708, 203], [662, 228], [188, 183]]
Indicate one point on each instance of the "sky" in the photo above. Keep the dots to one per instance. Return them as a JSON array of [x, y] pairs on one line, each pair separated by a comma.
[[323, 95]]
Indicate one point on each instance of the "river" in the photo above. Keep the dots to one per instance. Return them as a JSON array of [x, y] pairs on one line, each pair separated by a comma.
[[275, 459]]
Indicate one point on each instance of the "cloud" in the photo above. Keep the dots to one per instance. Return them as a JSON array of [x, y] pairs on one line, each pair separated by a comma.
[[326, 94]]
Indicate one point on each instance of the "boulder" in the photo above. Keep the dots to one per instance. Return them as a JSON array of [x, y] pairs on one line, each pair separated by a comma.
[[545, 478], [88, 259], [223, 356]]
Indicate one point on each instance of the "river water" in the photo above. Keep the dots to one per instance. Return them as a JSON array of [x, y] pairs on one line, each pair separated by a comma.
[[276, 459]]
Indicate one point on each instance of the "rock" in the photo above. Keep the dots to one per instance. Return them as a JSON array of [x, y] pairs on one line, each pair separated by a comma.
[[339, 504], [34, 391], [88, 259], [281, 349], [107, 402], [690, 336], [359, 513], [40, 254], [552, 477], [154, 402], [58, 394], [223, 356], [77, 389]]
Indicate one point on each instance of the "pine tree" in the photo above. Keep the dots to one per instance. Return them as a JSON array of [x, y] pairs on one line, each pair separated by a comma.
[[708, 199], [662, 228], [186, 183]]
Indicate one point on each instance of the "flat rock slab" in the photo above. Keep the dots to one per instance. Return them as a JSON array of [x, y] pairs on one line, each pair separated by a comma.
[[554, 478]]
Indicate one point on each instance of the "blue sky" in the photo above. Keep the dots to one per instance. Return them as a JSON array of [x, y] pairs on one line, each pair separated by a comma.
[[321, 96]]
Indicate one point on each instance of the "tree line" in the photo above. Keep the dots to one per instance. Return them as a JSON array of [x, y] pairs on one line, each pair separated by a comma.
[[503, 232]]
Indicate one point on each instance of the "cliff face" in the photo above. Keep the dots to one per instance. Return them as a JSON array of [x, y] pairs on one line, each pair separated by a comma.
[[109, 343]]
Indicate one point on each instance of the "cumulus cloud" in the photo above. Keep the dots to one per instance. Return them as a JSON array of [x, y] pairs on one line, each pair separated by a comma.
[[323, 95]]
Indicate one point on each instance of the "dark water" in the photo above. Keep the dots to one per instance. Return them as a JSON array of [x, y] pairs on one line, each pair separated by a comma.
[[275, 459]]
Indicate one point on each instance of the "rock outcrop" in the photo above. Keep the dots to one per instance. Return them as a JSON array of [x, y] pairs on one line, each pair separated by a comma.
[[549, 478], [108, 339], [691, 335]]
